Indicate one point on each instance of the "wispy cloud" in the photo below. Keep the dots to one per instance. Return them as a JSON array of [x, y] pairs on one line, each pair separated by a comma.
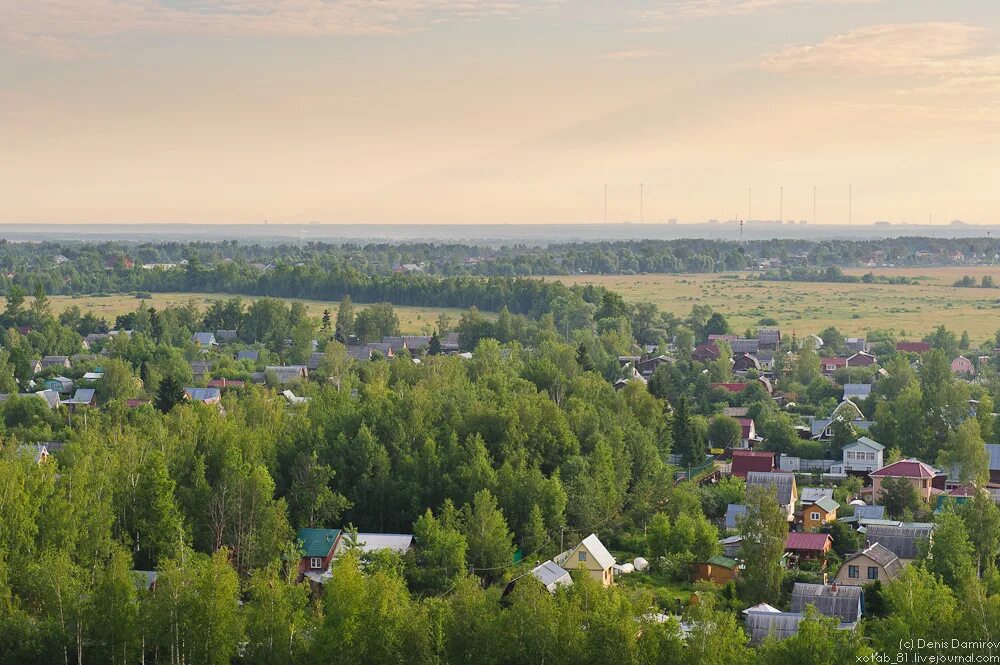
[[69, 28], [943, 56], [635, 54], [675, 11]]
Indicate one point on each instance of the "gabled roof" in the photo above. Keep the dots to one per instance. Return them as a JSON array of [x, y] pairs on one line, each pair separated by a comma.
[[551, 576], [810, 542], [204, 338], [598, 551], [318, 542], [844, 602], [745, 461], [865, 442], [907, 468], [814, 494], [733, 511], [782, 482], [861, 390], [247, 355], [827, 504], [203, 394], [848, 410], [83, 396], [913, 347], [882, 556], [723, 562], [903, 541]]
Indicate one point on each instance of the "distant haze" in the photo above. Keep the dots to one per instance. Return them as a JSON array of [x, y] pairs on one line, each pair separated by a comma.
[[498, 111], [483, 234]]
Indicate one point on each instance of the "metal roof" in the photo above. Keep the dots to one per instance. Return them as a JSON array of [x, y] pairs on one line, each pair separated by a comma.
[[994, 450], [782, 482], [869, 512], [203, 394], [901, 540], [598, 551], [551, 575], [318, 542], [844, 602], [814, 494], [880, 555], [733, 511], [372, 542]]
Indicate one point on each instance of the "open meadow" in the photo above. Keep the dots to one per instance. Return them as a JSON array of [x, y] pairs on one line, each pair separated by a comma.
[[412, 320], [808, 307]]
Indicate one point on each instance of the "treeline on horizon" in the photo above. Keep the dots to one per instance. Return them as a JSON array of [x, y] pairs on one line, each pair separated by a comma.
[[459, 259]]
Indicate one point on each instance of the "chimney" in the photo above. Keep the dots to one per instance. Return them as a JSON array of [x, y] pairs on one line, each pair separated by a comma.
[[833, 588]]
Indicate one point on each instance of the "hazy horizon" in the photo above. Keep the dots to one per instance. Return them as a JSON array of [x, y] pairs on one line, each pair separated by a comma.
[[490, 112]]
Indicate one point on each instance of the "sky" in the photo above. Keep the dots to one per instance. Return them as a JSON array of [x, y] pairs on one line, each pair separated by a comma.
[[499, 111]]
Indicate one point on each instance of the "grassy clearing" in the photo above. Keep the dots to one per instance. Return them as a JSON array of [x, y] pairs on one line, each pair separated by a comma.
[[806, 307], [412, 320]]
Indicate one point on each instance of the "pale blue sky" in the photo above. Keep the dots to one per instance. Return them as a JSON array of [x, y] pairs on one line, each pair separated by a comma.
[[491, 111]]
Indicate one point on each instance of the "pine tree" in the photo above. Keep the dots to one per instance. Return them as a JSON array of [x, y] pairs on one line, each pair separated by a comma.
[[169, 394]]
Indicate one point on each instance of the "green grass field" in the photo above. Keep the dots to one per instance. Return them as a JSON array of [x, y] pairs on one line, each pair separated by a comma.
[[806, 307], [412, 320]]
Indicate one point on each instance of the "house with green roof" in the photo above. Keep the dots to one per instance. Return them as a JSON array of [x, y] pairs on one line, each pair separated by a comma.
[[818, 513], [317, 547]]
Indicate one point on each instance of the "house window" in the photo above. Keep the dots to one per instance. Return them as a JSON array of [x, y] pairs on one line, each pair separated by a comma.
[[814, 517], [583, 556], [852, 572], [315, 562], [872, 573]]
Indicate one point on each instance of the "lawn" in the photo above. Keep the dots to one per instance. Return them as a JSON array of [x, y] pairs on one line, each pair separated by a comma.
[[806, 307], [412, 320]]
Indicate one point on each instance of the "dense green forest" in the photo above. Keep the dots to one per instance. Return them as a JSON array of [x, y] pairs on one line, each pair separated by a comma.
[[493, 463]]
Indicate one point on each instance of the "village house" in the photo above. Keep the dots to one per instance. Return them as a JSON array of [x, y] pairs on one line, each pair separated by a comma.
[[818, 513], [769, 339], [846, 603], [593, 557], [317, 547], [903, 540], [919, 474], [204, 395], [83, 397], [549, 574], [225, 384], [744, 362], [830, 365], [859, 391], [56, 361], [784, 486], [204, 340], [861, 359], [808, 546], [962, 366], [285, 374], [875, 563], [994, 451], [60, 384], [745, 461], [863, 456], [249, 354], [855, 344], [226, 336], [718, 569], [705, 353], [742, 345]]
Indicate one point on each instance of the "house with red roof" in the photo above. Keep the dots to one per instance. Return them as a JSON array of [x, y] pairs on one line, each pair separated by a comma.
[[745, 461], [861, 359], [808, 546], [913, 347], [919, 474], [831, 365]]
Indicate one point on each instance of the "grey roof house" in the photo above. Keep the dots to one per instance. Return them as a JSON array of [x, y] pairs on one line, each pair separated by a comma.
[[903, 540], [843, 602]]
